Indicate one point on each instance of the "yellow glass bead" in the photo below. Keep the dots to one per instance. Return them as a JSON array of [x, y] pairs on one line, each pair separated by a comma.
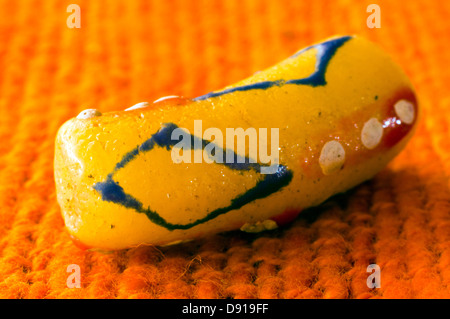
[[318, 123]]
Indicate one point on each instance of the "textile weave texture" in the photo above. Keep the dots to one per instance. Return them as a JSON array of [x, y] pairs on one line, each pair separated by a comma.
[[132, 51]]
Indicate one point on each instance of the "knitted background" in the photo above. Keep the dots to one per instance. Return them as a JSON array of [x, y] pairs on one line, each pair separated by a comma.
[[131, 51]]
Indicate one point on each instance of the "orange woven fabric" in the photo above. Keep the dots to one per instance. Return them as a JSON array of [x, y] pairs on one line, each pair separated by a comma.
[[131, 51]]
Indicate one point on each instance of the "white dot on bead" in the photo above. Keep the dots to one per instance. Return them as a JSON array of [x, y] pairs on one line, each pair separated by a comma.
[[259, 226], [405, 111], [371, 133], [332, 157], [89, 113], [138, 106], [165, 98]]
